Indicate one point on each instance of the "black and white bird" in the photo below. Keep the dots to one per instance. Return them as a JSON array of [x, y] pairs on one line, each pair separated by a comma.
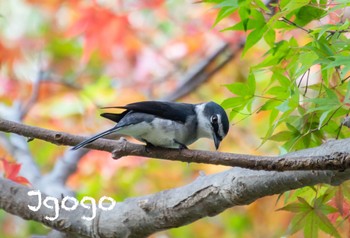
[[167, 124]]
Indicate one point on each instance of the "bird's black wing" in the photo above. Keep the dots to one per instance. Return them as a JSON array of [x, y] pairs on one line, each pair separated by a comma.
[[116, 117], [167, 110]]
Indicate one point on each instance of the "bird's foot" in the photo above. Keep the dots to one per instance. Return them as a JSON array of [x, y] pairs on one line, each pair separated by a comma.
[[148, 146], [181, 146]]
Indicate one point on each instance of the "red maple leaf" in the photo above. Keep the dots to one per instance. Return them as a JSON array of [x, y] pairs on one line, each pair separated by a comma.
[[101, 29], [149, 3], [340, 202], [11, 171], [9, 55]]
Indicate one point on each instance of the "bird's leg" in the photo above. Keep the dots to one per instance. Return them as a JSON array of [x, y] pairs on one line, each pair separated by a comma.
[[181, 146], [148, 146]]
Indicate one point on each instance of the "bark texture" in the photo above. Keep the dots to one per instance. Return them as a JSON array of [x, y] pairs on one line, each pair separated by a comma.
[[208, 195]]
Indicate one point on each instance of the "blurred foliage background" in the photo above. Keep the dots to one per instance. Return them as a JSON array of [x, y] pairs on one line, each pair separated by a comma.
[[64, 59]]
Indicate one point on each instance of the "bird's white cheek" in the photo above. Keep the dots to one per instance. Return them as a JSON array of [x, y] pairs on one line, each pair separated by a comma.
[[204, 127], [206, 131]]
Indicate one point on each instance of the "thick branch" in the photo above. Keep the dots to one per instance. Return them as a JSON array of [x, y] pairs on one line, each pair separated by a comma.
[[206, 196], [142, 216], [14, 199], [336, 160]]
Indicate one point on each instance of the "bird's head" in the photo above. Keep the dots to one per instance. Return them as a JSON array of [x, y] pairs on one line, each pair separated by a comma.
[[212, 122]]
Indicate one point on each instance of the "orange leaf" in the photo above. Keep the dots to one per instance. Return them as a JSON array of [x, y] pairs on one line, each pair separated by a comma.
[[150, 3], [9, 55], [101, 29], [11, 171]]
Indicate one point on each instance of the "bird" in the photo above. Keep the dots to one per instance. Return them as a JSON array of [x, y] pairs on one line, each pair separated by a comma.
[[167, 124]]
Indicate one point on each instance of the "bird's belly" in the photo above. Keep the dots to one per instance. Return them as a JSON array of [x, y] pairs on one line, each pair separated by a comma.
[[159, 139], [159, 132]]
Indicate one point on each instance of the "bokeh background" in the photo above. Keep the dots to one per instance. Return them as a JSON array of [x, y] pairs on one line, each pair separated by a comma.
[[62, 60]]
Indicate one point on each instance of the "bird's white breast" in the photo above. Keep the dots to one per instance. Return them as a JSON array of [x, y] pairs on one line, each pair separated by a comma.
[[158, 132], [204, 127]]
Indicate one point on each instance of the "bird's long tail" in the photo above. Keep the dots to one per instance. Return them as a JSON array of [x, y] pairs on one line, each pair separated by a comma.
[[95, 137]]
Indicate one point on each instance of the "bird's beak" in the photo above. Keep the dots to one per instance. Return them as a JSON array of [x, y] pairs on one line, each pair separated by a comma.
[[216, 141]]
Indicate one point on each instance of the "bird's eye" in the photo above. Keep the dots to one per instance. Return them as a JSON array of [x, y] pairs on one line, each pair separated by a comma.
[[214, 119]]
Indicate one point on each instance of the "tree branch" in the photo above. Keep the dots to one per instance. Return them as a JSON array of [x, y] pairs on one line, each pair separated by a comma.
[[54, 182], [204, 70], [142, 216], [336, 160], [14, 199], [17, 146], [25, 107]]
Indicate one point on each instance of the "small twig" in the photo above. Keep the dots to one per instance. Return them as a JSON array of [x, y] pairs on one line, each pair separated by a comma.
[[301, 79], [246, 115], [294, 24], [307, 82], [331, 116], [343, 81], [270, 98], [35, 95], [335, 31], [202, 71], [325, 124], [65, 166], [345, 122]]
